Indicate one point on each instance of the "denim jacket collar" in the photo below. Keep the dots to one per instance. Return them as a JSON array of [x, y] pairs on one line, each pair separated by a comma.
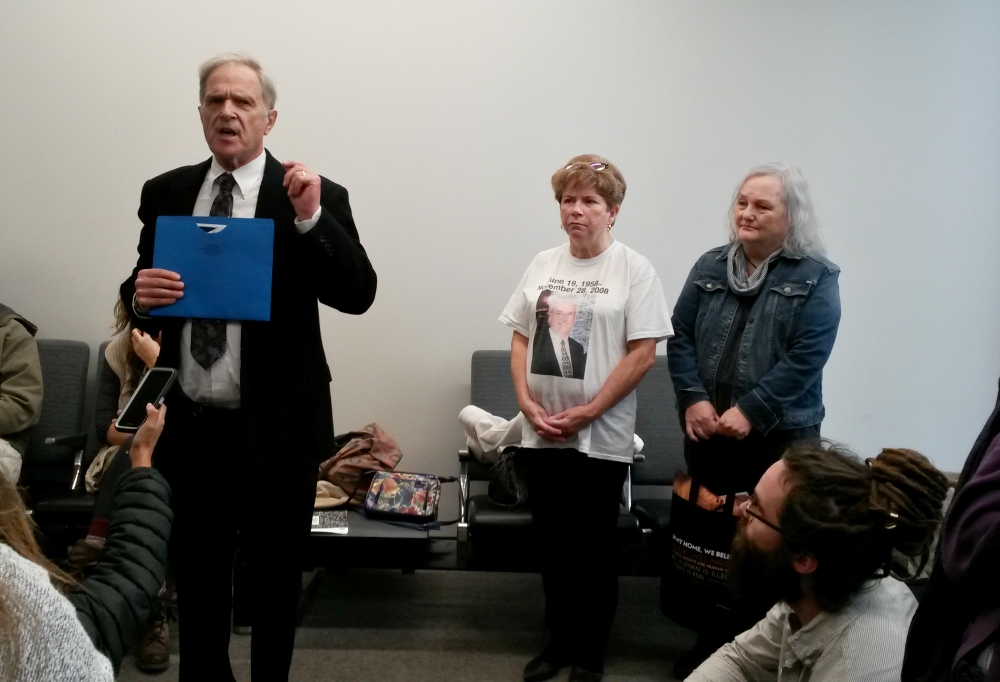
[[725, 254]]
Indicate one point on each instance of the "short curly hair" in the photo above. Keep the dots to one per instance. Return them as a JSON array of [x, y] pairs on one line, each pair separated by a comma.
[[609, 181]]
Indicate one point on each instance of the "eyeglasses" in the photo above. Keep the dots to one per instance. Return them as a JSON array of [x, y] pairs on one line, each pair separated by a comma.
[[751, 512], [595, 166]]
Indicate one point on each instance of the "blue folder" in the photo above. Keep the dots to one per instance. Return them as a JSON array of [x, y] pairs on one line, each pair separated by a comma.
[[225, 264]]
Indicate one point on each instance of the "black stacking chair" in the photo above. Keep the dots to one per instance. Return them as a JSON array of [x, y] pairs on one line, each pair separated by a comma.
[[52, 471], [491, 536]]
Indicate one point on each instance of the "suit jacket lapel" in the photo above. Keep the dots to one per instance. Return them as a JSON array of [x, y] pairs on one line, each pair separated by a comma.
[[184, 191], [272, 202]]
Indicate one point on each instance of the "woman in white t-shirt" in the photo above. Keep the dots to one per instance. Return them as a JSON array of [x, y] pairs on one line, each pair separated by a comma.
[[586, 318]]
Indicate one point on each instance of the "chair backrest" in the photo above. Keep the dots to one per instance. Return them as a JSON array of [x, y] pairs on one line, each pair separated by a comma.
[[657, 424], [492, 388], [94, 443], [49, 468], [656, 418]]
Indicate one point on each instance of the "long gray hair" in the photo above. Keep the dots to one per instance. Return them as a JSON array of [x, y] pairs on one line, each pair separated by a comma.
[[803, 231]]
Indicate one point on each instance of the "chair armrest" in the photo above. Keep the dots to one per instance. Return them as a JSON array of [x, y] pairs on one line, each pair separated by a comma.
[[77, 468], [463, 495], [627, 488], [75, 441], [626, 498]]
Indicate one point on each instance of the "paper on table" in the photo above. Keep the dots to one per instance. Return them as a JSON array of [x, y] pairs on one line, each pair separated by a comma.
[[330, 522], [225, 264]]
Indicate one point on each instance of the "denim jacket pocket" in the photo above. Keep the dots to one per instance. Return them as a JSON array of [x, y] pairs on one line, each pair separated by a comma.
[[791, 296], [712, 293], [711, 285]]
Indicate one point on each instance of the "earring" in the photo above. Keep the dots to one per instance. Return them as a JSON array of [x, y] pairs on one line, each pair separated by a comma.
[[609, 226]]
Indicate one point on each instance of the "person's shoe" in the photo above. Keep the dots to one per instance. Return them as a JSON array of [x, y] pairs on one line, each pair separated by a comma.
[[543, 667], [581, 674], [154, 652]]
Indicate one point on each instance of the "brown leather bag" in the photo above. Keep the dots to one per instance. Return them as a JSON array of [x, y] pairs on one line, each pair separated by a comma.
[[360, 452]]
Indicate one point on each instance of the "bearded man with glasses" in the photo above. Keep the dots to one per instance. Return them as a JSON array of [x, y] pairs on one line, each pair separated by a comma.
[[818, 537]]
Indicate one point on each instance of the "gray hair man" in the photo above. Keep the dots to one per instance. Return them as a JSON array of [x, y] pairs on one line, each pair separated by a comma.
[[243, 384]]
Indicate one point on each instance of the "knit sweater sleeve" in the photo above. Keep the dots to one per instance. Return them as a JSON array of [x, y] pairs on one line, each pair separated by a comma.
[[115, 602]]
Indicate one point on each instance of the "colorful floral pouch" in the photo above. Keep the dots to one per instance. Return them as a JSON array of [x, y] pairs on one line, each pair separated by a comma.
[[398, 496]]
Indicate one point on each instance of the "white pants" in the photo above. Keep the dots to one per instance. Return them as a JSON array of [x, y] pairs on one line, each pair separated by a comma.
[[10, 462]]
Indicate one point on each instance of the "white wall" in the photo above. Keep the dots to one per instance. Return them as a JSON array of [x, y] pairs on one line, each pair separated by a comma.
[[446, 119]]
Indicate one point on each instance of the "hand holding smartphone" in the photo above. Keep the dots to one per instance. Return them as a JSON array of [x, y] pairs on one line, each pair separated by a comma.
[[152, 389]]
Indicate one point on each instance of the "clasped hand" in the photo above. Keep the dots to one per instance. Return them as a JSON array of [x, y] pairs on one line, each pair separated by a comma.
[[557, 427], [701, 422]]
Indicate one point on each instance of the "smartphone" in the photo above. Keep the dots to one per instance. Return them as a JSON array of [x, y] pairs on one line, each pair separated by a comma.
[[152, 389]]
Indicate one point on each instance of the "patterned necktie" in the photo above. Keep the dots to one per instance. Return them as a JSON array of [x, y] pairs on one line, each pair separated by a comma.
[[567, 365], [208, 337]]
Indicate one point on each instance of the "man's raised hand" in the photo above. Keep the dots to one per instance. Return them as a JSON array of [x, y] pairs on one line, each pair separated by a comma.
[[303, 189]]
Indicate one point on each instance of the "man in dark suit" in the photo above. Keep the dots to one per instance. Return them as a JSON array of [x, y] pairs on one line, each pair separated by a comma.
[[250, 415], [555, 353]]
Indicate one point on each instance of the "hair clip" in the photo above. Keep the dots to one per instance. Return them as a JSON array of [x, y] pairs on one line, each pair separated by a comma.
[[892, 524]]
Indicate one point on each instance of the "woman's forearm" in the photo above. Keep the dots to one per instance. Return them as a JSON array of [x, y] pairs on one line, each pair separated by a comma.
[[114, 436]]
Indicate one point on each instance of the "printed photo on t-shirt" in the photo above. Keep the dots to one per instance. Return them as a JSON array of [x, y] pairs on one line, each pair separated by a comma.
[[562, 334]]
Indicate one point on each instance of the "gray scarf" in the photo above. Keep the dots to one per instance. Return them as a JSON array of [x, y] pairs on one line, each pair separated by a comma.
[[736, 265]]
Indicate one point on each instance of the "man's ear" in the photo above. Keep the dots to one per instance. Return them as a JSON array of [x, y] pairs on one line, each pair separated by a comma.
[[805, 564], [272, 116]]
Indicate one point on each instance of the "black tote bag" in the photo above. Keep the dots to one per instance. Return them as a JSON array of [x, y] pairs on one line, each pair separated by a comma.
[[694, 592]]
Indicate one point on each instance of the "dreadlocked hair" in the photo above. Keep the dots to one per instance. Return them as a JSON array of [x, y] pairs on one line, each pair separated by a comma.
[[851, 515]]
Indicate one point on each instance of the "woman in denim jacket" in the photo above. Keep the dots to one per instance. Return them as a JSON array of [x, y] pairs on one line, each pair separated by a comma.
[[754, 326]]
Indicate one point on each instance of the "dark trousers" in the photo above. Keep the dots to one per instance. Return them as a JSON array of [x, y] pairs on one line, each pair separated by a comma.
[[230, 493], [574, 509]]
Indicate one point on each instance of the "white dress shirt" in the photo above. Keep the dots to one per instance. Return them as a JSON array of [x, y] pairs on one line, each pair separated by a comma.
[[219, 385]]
